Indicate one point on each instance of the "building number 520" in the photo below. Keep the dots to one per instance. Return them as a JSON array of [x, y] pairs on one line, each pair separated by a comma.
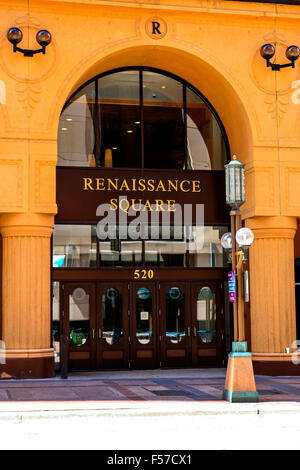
[[143, 274]]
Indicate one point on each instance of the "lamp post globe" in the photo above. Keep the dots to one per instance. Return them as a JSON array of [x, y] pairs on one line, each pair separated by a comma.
[[235, 183], [226, 241], [244, 237]]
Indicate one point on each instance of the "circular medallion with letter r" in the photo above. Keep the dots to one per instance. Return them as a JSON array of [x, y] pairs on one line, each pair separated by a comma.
[[156, 28]]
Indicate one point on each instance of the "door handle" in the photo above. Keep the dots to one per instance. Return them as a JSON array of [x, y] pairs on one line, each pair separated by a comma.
[[188, 331], [195, 331], [93, 333], [99, 333]]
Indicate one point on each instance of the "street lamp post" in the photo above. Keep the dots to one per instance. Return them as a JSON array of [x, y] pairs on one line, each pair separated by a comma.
[[240, 382]]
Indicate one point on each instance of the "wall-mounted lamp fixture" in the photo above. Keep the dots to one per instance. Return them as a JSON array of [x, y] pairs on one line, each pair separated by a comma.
[[15, 35], [292, 53]]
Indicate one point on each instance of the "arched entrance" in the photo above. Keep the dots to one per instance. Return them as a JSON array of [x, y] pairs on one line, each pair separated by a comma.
[[138, 268]]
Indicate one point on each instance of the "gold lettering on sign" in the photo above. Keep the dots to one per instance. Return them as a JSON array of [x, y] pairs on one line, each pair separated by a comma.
[[88, 184], [137, 205], [160, 186], [136, 208], [181, 186], [124, 185], [171, 207], [100, 184], [113, 184], [196, 186], [173, 185], [151, 185], [141, 184], [109, 184]]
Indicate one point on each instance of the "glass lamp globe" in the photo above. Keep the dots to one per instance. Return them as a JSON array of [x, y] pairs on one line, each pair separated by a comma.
[[235, 183], [226, 241], [43, 37], [244, 237]]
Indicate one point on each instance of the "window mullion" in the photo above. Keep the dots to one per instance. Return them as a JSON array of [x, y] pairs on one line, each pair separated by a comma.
[[97, 126], [185, 125], [142, 120]]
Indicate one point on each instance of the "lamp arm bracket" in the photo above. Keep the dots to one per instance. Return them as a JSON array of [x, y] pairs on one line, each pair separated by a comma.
[[29, 52]]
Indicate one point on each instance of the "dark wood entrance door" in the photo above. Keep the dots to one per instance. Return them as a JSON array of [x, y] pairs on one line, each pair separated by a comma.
[[78, 342], [112, 326], [95, 329], [207, 299], [175, 321], [141, 325], [144, 326]]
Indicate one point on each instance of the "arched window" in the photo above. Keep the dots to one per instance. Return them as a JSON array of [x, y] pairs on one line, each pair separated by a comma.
[[140, 118]]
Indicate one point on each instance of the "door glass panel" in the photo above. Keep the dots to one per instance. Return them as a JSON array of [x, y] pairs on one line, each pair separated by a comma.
[[79, 315], [144, 315], [56, 322], [112, 315], [175, 315], [206, 315]]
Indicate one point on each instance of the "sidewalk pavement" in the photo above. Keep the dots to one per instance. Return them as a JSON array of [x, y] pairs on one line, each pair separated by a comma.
[[158, 392]]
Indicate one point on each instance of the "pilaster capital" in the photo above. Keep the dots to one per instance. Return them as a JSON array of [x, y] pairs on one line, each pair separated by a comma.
[[272, 227], [32, 225]]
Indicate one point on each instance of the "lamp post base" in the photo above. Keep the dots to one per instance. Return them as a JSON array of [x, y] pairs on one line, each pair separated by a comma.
[[240, 384]]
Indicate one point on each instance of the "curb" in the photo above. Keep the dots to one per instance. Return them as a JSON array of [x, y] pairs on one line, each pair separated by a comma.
[[49, 410]]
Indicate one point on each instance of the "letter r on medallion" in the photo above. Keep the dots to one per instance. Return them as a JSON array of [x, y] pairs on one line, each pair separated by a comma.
[[156, 28]]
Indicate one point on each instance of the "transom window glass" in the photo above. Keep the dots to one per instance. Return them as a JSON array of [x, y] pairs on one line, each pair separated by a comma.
[[77, 246], [76, 132], [119, 120], [163, 122], [140, 118], [74, 246]]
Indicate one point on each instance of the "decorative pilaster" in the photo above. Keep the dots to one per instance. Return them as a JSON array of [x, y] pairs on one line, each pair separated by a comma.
[[26, 320], [272, 294]]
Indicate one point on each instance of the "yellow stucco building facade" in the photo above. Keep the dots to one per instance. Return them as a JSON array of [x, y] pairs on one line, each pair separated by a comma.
[[213, 45]]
